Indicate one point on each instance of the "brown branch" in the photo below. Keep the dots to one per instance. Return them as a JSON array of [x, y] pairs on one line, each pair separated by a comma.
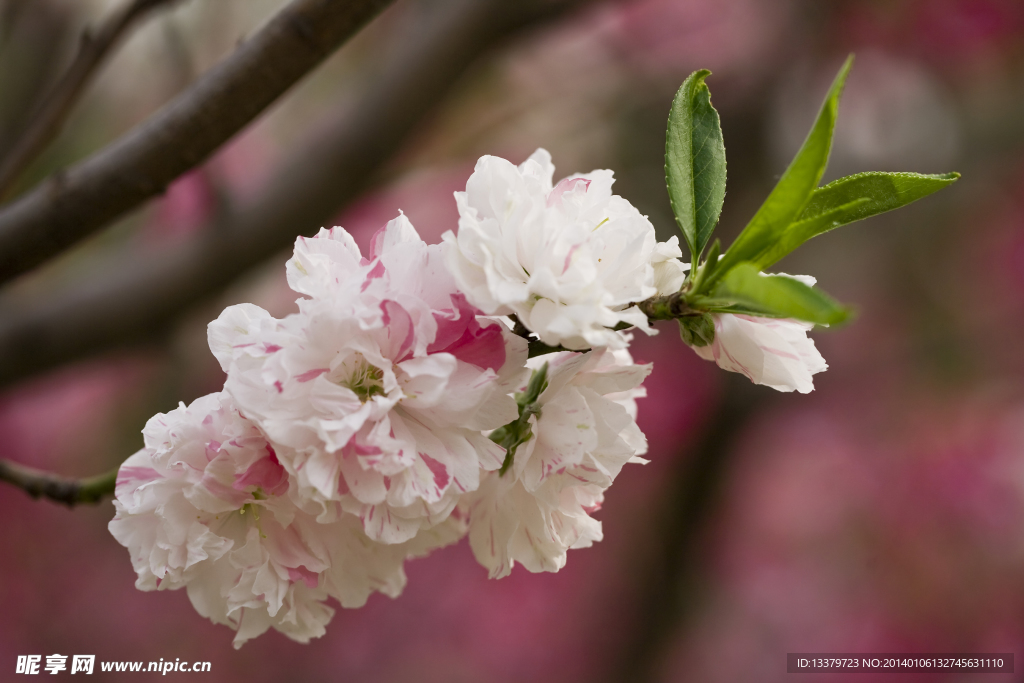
[[49, 117], [133, 301], [70, 492], [76, 203]]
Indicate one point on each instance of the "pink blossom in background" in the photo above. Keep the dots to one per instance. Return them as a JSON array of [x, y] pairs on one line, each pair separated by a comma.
[[64, 419], [185, 207], [953, 35], [425, 196], [234, 174], [899, 529], [663, 37]]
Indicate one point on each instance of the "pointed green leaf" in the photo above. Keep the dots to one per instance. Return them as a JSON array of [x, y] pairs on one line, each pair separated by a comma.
[[794, 189], [695, 162], [850, 199], [887, 191], [803, 230], [746, 289]]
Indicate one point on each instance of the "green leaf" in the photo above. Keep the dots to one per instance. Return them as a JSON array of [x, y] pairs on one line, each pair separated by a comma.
[[695, 162], [803, 230], [746, 290], [850, 199], [793, 191]]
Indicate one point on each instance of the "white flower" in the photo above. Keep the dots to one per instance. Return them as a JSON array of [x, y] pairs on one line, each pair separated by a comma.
[[206, 505], [567, 259], [669, 271], [773, 352], [380, 386], [586, 432], [770, 351]]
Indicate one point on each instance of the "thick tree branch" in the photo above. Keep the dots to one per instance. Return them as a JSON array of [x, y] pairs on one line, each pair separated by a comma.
[[71, 492], [53, 111], [133, 301], [74, 204]]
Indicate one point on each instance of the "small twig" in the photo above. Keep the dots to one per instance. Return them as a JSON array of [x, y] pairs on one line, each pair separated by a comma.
[[49, 117], [667, 307], [179, 137], [70, 492]]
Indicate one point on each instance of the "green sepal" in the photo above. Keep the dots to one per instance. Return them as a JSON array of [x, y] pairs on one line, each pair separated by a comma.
[[697, 330]]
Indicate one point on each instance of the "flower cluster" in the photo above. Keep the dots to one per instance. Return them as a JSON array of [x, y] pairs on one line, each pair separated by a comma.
[[398, 410]]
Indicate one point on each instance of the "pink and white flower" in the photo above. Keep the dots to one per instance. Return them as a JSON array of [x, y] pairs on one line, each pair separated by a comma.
[[774, 352], [567, 259], [208, 506], [380, 387], [586, 431]]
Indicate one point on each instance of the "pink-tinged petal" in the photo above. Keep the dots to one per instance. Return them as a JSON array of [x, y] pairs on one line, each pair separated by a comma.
[[310, 375], [212, 449], [377, 242], [136, 476], [464, 337], [399, 328], [563, 186], [376, 272], [440, 472], [296, 574], [397, 231], [266, 474], [453, 325], [271, 348], [354, 446], [229, 494]]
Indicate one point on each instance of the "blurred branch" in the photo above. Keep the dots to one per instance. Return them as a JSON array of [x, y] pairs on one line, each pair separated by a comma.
[[32, 34], [71, 492], [132, 301], [686, 511], [51, 114], [75, 203]]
